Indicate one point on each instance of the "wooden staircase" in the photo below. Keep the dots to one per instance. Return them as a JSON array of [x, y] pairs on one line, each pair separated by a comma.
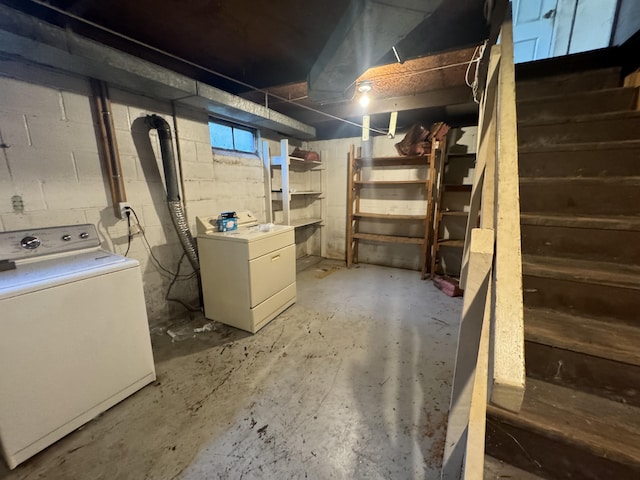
[[579, 156]]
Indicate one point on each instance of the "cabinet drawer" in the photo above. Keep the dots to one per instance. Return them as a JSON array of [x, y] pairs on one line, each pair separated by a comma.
[[271, 273], [270, 243]]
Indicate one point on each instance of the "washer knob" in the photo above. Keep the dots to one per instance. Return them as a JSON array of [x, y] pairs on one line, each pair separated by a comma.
[[66, 238], [84, 235], [30, 242]]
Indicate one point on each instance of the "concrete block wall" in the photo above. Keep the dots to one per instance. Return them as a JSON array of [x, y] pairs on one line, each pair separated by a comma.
[[50, 161], [389, 200], [393, 200]]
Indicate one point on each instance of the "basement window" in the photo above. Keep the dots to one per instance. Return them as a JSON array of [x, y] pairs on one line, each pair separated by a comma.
[[228, 136]]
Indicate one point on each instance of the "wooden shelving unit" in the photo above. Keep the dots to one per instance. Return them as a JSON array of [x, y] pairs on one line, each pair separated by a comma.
[[354, 213], [295, 189], [444, 216]]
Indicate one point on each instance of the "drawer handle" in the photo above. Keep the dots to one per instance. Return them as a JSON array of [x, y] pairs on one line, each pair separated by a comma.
[[275, 257]]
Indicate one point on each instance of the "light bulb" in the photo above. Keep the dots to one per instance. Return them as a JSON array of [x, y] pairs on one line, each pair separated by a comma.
[[364, 100]]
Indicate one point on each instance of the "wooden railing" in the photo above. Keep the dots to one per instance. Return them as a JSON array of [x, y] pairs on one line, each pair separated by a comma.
[[490, 355]]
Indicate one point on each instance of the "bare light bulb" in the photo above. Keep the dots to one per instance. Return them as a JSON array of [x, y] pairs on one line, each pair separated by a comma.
[[364, 100]]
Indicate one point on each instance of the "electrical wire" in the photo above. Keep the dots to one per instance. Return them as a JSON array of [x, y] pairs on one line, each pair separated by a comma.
[[158, 264], [173, 281], [129, 236]]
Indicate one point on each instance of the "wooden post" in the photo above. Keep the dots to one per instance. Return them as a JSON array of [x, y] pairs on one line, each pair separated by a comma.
[[485, 152], [350, 207], [480, 262], [508, 337]]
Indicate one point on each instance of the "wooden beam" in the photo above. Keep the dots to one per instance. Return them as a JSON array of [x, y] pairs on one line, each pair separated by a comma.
[[508, 339], [480, 262], [458, 95]]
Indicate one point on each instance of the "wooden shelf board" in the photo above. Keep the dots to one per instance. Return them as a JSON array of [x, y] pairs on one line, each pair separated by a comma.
[[308, 192], [457, 187], [303, 222], [451, 243], [388, 238], [386, 216], [390, 182], [393, 161], [300, 161], [277, 195], [454, 213]]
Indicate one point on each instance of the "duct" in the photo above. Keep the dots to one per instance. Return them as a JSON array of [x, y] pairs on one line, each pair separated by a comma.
[[173, 195], [363, 35]]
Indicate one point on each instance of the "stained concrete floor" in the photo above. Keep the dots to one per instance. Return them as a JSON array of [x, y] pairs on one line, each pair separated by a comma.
[[351, 382]]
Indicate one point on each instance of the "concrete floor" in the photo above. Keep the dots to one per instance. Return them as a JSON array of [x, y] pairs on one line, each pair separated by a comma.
[[351, 382]]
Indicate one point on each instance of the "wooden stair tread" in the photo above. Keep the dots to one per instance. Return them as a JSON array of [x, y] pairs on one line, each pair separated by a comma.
[[612, 222], [457, 187], [583, 181], [606, 428], [389, 182], [389, 238], [579, 118], [599, 338], [388, 216], [586, 93], [393, 161], [448, 242], [586, 146], [582, 271]]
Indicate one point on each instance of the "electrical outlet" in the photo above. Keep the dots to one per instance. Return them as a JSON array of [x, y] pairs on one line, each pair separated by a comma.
[[124, 206]]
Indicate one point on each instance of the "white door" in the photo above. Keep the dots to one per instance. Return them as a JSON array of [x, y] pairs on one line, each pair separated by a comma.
[[533, 29]]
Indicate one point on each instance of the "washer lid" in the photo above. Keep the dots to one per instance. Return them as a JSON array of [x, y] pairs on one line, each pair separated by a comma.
[[46, 272]]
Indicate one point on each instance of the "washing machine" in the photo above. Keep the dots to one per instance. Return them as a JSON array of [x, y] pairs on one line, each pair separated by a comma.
[[248, 274], [74, 337]]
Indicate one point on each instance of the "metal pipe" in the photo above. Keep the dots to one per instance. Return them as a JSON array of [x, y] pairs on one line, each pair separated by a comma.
[[109, 144], [173, 194]]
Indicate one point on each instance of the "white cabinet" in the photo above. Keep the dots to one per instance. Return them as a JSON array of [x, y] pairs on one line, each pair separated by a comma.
[[248, 276], [295, 191]]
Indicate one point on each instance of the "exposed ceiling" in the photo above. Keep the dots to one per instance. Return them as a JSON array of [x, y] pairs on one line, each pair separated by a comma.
[[275, 44]]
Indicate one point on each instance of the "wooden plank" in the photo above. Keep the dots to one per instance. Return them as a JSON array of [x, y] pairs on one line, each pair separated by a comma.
[[457, 187], [393, 161], [350, 207], [600, 428], [508, 381], [437, 204], [486, 139], [583, 271], [366, 183], [480, 262], [437, 156], [598, 338], [388, 238], [387, 216], [474, 453], [303, 222], [454, 213], [614, 222], [452, 243]]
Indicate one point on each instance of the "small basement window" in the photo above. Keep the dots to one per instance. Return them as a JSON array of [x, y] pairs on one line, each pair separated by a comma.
[[228, 136]]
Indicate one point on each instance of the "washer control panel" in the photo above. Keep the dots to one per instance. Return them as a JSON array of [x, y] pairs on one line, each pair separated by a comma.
[[19, 244]]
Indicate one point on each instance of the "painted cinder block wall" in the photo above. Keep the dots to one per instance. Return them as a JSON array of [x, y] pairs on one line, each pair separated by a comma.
[[390, 199], [49, 158]]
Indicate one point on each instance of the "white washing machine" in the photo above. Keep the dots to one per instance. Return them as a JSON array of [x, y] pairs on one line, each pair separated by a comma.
[[248, 274], [74, 337]]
